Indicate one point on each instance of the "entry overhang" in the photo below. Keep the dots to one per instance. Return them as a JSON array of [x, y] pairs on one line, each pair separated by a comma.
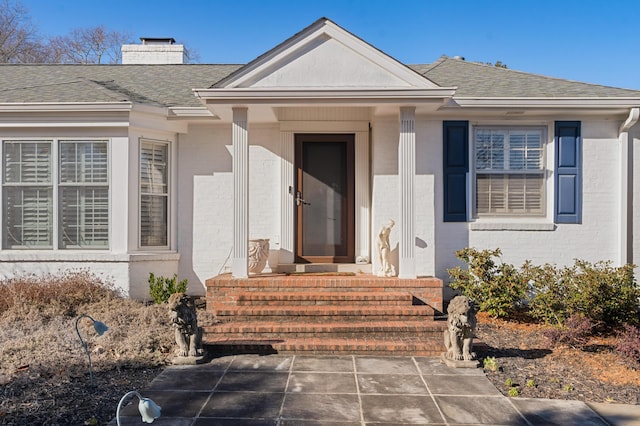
[[262, 101], [303, 96]]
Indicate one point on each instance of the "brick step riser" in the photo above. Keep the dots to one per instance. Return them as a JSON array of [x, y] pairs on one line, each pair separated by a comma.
[[328, 318], [413, 350], [322, 311], [323, 303], [326, 334], [356, 287]]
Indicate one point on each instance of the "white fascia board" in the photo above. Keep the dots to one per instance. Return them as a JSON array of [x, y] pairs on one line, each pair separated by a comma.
[[312, 96], [62, 115], [548, 102], [191, 113], [66, 107]]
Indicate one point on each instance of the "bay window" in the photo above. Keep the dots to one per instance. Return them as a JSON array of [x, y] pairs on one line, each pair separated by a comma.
[[509, 171]]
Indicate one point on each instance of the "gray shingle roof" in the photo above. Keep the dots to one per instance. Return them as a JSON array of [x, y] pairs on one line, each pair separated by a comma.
[[478, 80], [171, 85], [159, 85]]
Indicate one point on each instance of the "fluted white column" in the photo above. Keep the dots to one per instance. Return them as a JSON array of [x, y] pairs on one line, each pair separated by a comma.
[[240, 141], [287, 185], [406, 174], [363, 197]]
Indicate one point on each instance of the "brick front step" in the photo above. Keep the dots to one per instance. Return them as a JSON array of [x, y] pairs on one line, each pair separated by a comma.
[[320, 314], [324, 313], [314, 346], [351, 329], [304, 298], [225, 288]]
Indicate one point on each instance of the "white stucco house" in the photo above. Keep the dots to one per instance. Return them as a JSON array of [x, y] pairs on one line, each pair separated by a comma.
[[170, 168]]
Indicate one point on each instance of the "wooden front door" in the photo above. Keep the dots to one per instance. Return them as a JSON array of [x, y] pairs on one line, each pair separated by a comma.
[[324, 197]]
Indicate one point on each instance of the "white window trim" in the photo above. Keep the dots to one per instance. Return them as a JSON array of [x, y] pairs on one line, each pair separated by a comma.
[[169, 196], [55, 185], [506, 222]]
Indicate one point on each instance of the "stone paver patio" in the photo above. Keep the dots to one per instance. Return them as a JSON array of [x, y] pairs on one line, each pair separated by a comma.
[[348, 390]]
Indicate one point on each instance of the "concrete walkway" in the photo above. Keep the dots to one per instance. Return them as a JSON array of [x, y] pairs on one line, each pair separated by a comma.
[[352, 390]]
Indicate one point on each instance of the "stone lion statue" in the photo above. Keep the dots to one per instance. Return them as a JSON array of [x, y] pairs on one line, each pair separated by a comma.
[[461, 322], [182, 311]]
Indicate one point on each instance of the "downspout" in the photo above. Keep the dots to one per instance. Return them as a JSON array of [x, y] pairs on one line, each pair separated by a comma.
[[626, 188]]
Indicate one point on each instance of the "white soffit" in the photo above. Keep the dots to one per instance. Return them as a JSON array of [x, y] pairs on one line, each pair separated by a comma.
[[328, 57]]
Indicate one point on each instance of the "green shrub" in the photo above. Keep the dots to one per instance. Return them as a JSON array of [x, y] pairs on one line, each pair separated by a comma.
[[548, 292], [606, 295], [161, 288], [497, 288]]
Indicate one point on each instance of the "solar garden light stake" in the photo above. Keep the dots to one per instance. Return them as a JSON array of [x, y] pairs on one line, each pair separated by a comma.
[[100, 328], [148, 409]]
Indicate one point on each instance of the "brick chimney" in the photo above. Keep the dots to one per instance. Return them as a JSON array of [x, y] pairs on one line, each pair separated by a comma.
[[153, 51]]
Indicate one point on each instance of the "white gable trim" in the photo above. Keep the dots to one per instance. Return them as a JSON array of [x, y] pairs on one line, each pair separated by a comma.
[[308, 39]]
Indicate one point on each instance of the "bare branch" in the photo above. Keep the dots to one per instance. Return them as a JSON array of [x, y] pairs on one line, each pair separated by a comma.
[[18, 36]]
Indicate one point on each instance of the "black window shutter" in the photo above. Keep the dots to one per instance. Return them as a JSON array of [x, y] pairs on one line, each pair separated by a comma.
[[568, 172], [456, 167]]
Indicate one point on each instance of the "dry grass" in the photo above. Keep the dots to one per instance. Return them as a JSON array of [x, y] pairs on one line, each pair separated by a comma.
[[42, 360]]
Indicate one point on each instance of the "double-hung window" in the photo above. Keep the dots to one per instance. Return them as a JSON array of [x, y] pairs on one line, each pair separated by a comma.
[[509, 171], [154, 193], [55, 188], [84, 195]]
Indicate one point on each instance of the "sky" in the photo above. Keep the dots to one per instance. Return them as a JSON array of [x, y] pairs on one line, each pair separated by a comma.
[[593, 41]]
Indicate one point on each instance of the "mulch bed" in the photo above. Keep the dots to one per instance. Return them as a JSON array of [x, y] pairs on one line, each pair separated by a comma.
[[529, 364], [37, 399]]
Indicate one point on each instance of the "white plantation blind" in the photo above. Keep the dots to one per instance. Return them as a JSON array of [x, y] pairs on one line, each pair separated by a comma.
[[30, 180], [27, 195], [84, 194], [509, 171], [154, 193]]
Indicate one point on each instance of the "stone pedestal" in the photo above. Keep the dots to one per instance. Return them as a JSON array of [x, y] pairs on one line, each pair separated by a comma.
[[458, 363], [190, 360]]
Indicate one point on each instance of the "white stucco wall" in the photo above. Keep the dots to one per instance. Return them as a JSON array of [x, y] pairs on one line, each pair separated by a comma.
[[594, 240], [205, 198], [385, 192]]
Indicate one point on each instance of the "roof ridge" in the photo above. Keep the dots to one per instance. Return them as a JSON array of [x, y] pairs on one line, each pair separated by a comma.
[[435, 64]]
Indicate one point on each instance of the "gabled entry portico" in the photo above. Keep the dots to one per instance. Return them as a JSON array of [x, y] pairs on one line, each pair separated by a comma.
[[326, 81]]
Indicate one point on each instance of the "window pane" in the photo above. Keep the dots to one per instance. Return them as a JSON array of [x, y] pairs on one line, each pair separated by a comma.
[[27, 162], [502, 193], [504, 161], [84, 217], [154, 188], [153, 168], [490, 146], [83, 162], [153, 220], [28, 217]]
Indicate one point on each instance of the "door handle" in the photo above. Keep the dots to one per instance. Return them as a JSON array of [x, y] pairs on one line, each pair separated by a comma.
[[300, 200]]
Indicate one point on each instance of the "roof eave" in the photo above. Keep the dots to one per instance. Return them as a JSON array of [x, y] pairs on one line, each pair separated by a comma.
[[546, 102], [321, 95], [66, 106]]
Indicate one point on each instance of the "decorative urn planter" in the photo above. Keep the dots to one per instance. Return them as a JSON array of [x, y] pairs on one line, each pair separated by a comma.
[[258, 255]]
